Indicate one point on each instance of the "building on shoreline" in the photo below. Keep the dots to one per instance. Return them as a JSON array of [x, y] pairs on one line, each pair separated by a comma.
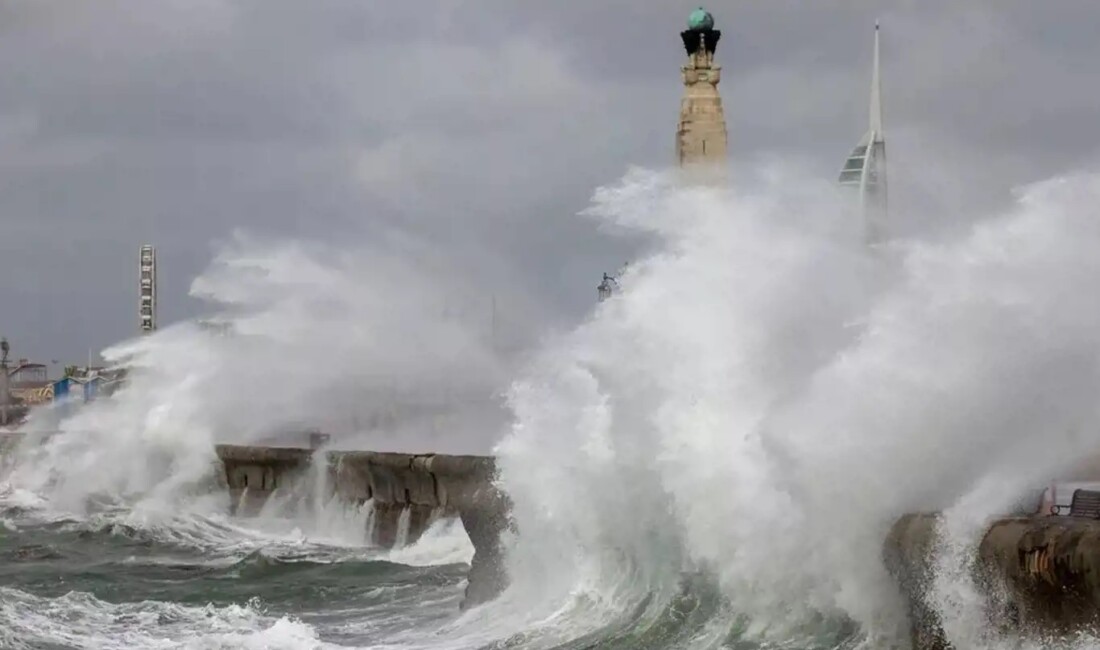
[[25, 384], [22, 385]]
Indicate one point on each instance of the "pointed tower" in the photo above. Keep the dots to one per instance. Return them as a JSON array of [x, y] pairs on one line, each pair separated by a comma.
[[701, 135], [865, 169]]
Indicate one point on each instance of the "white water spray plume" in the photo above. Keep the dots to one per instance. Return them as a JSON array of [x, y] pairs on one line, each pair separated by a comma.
[[753, 410], [765, 397], [382, 348]]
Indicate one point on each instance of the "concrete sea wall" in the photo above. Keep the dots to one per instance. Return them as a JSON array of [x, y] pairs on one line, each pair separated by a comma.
[[1040, 574], [907, 553], [416, 485]]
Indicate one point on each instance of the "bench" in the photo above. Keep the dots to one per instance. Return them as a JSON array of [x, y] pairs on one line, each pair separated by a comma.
[[1085, 503]]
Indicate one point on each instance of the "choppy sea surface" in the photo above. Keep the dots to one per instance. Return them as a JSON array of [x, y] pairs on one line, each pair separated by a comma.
[[121, 580]]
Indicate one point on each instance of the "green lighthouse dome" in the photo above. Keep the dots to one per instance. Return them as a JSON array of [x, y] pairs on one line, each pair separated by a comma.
[[700, 20]]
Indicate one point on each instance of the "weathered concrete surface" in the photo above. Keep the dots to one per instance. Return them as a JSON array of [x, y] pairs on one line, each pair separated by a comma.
[[907, 553], [1041, 574], [421, 485], [1049, 568], [252, 474]]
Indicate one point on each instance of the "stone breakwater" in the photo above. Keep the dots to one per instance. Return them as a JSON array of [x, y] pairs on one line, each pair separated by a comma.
[[405, 490], [1040, 574]]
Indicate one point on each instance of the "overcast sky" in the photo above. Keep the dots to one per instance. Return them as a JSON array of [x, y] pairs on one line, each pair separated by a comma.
[[480, 123]]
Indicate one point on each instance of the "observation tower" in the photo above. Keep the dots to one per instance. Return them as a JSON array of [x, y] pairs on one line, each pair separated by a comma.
[[865, 169], [147, 289]]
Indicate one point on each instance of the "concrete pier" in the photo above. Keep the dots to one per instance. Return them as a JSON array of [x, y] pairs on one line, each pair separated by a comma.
[[908, 556], [421, 485], [1041, 574]]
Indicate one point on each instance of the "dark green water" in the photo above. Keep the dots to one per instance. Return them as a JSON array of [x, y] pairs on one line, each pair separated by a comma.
[[98, 584], [123, 580]]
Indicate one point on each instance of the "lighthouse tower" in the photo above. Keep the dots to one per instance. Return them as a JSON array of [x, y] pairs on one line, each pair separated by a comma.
[[701, 135]]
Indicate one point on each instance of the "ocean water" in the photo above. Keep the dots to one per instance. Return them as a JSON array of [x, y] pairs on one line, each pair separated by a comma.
[[708, 460], [119, 580]]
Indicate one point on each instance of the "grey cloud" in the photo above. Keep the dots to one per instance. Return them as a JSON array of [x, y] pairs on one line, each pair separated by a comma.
[[480, 128]]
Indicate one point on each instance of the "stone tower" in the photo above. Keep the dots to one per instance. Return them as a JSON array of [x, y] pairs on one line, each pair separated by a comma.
[[701, 135]]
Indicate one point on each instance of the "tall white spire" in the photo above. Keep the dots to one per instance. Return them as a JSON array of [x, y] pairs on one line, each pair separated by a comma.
[[876, 91], [865, 169]]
